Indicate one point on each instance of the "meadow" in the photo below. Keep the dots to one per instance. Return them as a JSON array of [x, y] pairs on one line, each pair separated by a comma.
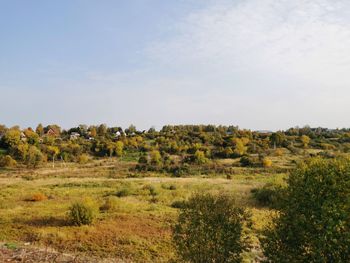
[[135, 214], [136, 184]]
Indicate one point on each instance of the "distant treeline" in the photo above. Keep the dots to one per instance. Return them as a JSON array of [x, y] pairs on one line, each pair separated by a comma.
[[169, 147]]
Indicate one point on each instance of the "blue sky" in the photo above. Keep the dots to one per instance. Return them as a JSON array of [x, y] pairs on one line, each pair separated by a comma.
[[259, 64]]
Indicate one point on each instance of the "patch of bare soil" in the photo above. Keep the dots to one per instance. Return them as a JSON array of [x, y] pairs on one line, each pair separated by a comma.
[[38, 255]]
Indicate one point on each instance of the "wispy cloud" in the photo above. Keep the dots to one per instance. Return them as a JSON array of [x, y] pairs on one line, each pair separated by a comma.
[[260, 64]]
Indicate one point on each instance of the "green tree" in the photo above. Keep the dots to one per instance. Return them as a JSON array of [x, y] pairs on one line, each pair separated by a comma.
[[34, 157], [40, 130], [314, 223], [155, 158], [12, 138], [199, 157], [210, 228], [32, 137]]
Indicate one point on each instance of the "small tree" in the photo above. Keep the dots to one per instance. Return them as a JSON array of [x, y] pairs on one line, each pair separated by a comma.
[[314, 222], [305, 140], [34, 157], [210, 229], [199, 157]]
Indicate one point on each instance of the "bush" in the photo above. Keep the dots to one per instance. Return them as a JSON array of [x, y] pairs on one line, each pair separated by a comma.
[[83, 159], [178, 204], [269, 195], [266, 162], [7, 161], [37, 197], [123, 192], [314, 223], [210, 229], [81, 213], [108, 205], [248, 161]]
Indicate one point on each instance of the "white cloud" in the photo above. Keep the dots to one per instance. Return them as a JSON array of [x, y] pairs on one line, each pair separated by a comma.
[[289, 60]]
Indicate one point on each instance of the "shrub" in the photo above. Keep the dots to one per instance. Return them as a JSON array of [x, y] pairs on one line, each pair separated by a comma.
[[210, 229], [178, 204], [172, 187], [313, 223], [123, 192], [7, 161], [247, 161], [269, 195], [108, 205], [266, 162], [37, 197], [83, 159], [81, 213]]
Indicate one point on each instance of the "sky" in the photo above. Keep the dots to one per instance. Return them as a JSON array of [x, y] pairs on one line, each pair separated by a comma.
[[258, 64]]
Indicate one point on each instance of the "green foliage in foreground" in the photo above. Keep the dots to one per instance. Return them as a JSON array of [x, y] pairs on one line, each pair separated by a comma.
[[210, 229], [314, 221]]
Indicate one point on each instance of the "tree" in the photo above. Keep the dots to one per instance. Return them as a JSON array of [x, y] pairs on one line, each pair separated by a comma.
[[12, 138], [40, 130], [34, 157], [305, 140], [156, 158], [119, 146], [93, 132], [277, 138], [53, 151], [240, 147], [102, 130], [199, 157], [314, 222], [32, 137], [210, 229]]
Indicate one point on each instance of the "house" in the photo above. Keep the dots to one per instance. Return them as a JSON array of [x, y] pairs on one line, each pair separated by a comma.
[[74, 135], [23, 137], [51, 132], [118, 134]]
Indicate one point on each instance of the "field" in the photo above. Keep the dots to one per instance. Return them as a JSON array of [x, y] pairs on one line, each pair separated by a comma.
[[135, 227]]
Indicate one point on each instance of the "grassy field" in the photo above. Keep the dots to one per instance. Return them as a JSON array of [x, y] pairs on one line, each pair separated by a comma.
[[137, 225]]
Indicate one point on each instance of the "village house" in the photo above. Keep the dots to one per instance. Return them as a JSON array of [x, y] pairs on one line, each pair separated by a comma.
[[74, 135]]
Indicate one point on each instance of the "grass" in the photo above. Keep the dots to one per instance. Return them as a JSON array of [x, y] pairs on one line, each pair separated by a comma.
[[136, 227]]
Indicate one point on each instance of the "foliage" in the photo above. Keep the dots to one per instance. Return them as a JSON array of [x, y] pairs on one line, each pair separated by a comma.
[[314, 223], [83, 159], [210, 229], [34, 157], [7, 161], [266, 162], [269, 195], [81, 213], [37, 197]]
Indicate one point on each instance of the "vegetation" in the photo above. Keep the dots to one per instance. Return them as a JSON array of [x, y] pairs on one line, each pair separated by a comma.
[[81, 213], [147, 188], [210, 229], [313, 225]]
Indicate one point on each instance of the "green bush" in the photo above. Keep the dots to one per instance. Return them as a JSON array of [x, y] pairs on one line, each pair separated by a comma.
[[81, 213], [210, 229], [313, 224], [123, 192], [269, 195], [178, 204]]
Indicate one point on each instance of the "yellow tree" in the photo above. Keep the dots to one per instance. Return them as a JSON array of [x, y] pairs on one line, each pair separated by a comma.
[[305, 140]]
